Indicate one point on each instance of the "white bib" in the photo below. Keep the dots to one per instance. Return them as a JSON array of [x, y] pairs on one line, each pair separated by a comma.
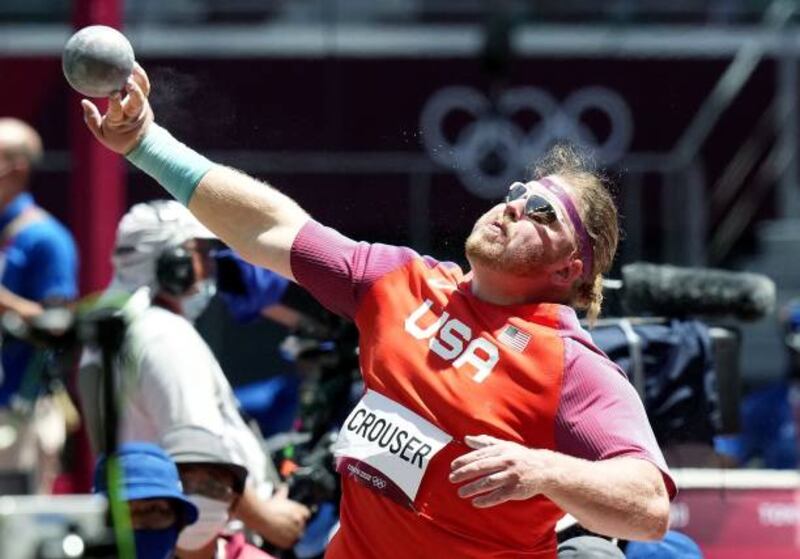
[[387, 447]]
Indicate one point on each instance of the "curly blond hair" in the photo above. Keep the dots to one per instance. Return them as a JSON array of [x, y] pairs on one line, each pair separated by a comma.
[[598, 212]]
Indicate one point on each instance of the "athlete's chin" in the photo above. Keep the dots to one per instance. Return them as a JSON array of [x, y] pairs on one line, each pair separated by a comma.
[[482, 249], [493, 255]]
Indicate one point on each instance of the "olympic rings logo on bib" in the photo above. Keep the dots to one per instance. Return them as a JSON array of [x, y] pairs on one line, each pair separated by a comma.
[[378, 482]]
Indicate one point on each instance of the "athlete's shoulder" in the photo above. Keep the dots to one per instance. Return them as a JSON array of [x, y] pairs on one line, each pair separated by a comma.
[[443, 267]]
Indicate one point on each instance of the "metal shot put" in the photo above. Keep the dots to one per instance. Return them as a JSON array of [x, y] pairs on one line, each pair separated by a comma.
[[97, 61]]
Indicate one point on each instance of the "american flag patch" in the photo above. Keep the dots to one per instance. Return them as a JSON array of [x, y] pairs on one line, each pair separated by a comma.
[[514, 338]]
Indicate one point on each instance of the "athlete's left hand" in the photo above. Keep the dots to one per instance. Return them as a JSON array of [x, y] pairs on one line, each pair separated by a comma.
[[499, 471]]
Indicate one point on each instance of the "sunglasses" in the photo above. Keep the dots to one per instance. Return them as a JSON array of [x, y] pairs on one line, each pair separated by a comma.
[[537, 207]]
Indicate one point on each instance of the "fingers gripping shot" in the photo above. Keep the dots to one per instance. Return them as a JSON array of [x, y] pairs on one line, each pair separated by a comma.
[[488, 411]]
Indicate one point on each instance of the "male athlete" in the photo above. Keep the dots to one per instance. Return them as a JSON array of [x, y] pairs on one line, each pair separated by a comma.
[[488, 410]]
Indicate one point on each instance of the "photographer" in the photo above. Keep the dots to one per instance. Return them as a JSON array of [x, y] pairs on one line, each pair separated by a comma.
[[167, 375], [214, 483], [38, 268]]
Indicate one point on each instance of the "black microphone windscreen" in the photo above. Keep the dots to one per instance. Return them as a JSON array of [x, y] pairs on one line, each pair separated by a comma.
[[664, 290]]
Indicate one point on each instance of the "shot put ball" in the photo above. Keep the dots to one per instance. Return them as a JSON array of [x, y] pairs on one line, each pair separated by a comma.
[[97, 61]]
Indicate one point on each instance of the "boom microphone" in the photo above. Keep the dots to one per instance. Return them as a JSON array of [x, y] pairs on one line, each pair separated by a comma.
[[664, 290]]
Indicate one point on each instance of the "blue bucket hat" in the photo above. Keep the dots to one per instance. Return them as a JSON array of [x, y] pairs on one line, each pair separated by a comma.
[[147, 473]]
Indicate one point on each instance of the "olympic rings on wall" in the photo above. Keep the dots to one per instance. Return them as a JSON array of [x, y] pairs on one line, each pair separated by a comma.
[[490, 144]]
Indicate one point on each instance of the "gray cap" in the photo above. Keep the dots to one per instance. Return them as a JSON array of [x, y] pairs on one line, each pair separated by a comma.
[[589, 546], [144, 233], [192, 444]]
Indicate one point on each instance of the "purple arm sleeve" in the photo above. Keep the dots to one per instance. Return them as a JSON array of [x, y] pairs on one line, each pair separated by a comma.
[[600, 415], [336, 270]]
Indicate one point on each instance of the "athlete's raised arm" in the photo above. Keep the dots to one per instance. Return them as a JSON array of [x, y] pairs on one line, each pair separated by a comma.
[[250, 216]]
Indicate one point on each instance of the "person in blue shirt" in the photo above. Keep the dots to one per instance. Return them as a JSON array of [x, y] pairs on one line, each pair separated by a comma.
[[770, 414], [38, 268]]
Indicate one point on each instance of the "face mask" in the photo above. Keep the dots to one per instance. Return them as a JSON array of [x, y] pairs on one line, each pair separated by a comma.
[[211, 521], [155, 544], [192, 306]]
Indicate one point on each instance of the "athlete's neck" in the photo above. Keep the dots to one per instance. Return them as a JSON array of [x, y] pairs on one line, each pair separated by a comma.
[[500, 288]]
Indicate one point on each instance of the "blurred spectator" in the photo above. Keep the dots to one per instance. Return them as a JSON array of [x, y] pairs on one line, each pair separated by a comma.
[[767, 438], [168, 375], [38, 267], [583, 547], [250, 293], [770, 415], [152, 489], [214, 482], [272, 403], [791, 321], [675, 545]]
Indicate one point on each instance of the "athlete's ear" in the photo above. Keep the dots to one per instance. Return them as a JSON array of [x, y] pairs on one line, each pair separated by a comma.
[[566, 275]]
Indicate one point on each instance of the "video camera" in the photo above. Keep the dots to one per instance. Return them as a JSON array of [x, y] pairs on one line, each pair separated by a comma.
[[69, 526], [326, 359], [675, 336]]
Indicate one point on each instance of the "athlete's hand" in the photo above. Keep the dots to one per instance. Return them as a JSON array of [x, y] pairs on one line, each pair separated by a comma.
[[499, 471], [126, 119], [287, 519]]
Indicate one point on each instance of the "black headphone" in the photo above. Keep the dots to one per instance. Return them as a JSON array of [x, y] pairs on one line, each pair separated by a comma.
[[175, 271], [174, 266]]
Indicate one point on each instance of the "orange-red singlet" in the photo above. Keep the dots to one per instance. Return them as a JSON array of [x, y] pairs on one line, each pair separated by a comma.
[[466, 366]]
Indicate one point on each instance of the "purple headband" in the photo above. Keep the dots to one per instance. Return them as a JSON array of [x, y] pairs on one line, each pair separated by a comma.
[[577, 224]]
